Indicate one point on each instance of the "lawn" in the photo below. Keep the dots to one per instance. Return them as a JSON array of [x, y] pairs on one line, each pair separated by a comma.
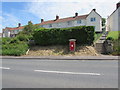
[[113, 34]]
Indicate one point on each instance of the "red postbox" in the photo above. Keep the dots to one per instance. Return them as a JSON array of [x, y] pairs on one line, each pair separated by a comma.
[[72, 44]]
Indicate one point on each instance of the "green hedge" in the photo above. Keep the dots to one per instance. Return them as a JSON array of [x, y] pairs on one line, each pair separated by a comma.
[[61, 36], [14, 49], [12, 46]]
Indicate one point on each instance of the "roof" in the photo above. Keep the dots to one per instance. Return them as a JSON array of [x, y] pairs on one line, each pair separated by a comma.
[[52, 21], [114, 11], [63, 19], [15, 28]]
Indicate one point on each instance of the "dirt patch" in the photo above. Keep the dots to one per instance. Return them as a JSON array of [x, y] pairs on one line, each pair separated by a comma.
[[61, 50]]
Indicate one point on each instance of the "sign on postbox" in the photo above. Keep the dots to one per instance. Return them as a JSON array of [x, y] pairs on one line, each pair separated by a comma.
[[72, 44]]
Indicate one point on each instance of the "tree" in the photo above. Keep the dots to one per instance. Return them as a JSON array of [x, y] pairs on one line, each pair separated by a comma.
[[103, 22], [28, 29]]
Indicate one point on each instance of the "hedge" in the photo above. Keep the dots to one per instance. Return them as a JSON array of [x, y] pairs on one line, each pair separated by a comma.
[[12, 46], [14, 49], [61, 36]]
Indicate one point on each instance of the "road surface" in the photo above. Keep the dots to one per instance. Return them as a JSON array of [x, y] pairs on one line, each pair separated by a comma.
[[35, 73]]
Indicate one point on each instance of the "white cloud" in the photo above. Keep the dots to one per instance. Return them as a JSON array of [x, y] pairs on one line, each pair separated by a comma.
[[9, 20], [48, 10]]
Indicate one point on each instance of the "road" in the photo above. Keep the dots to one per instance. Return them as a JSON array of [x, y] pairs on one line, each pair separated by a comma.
[[25, 73]]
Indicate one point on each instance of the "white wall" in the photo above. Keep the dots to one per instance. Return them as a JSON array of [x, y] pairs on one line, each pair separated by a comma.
[[6, 33], [97, 23], [119, 19], [65, 24], [87, 22], [112, 21]]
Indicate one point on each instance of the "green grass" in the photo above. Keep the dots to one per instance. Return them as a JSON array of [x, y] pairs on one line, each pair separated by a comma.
[[116, 41], [113, 34], [97, 36]]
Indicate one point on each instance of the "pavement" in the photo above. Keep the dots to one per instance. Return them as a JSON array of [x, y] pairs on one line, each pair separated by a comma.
[[101, 57]]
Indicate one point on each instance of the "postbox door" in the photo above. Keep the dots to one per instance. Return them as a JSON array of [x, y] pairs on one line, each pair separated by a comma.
[[72, 46]]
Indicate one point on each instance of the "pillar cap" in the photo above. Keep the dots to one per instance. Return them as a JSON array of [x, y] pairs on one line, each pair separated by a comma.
[[72, 39]]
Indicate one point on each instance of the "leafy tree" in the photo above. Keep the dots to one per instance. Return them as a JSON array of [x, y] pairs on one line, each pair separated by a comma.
[[103, 21], [28, 29]]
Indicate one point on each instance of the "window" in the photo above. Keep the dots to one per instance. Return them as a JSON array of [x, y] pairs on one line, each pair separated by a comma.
[[93, 19], [69, 22], [79, 22], [58, 24], [41, 26], [17, 30], [50, 25]]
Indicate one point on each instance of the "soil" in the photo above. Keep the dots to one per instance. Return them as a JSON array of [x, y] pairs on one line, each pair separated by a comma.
[[62, 50]]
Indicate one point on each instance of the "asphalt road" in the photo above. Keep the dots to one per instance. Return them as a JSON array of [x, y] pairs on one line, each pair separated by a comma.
[[32, 73]]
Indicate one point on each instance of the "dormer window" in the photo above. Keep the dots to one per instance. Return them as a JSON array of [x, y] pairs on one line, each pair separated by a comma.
[[93, 19], [79, 22]]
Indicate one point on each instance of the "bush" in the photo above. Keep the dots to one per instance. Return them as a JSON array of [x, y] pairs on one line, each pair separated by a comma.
[[116, 47], [14, 40], [6, 40], [61, 36], [12, 46], [14, 49], [22, 37], [110, 38]]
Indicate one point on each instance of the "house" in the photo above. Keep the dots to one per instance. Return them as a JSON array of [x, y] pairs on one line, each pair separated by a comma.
[[91, 19], [12, 32], [113, 21]]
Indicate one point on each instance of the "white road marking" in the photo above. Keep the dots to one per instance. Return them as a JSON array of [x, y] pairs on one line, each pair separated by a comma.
[[4, 68], [61, 72]]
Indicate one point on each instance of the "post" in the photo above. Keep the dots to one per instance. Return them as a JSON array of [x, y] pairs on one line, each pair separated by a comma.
[[72, 44]]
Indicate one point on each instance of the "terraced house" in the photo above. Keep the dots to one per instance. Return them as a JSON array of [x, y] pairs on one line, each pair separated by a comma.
[[113, 21], [91, 19]]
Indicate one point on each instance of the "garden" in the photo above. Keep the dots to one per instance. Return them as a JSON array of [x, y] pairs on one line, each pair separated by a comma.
[[19, 45], [114, 36]]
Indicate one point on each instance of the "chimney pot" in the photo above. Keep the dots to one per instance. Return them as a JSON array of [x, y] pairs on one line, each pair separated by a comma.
[[19, 24], [57, 17], [76, 14], [42, 20], [94, 9], [117, 5]]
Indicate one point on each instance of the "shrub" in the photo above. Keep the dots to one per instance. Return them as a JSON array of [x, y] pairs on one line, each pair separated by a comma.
[[14, 49], [12, 46], [116, 47], [110, 38], [61, 36], [14, 40], [22, 37], [6, 40]]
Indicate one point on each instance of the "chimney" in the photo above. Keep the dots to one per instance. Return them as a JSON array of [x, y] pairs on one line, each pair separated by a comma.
[[94, 9], [42, 20], [57, 17], [117, 5], [76, 14], [19, 24]]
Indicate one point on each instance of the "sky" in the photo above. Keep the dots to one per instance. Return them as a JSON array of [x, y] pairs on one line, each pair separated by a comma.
[[13, 12]]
